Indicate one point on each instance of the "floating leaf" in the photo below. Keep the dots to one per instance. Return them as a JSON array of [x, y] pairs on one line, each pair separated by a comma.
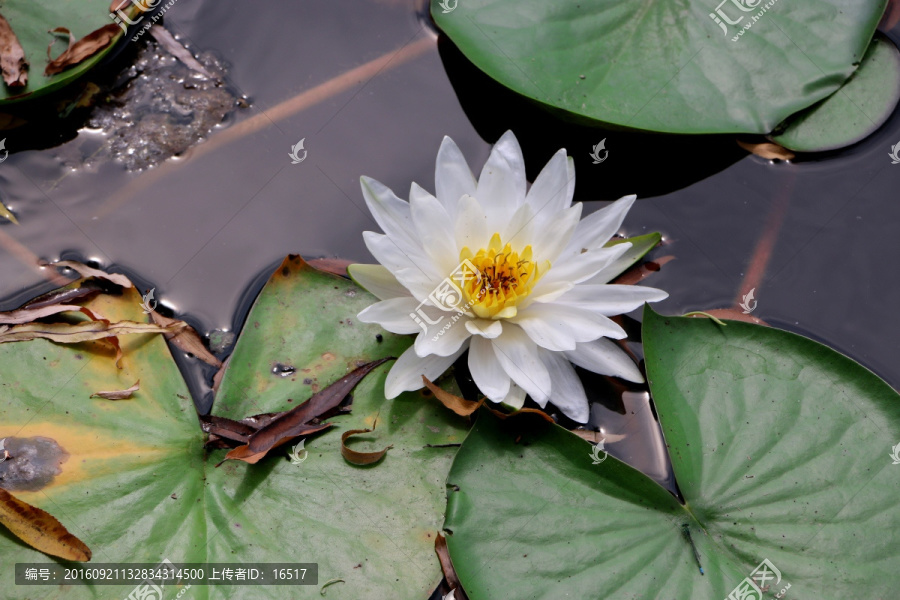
[[32, 19], [663, 66], [129, 458], [778, 446], [457, 404], [40, 530], [861, 106]]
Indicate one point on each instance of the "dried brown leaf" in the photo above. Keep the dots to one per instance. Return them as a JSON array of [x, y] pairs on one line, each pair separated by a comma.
[[641, 271], [176, 49], [522, 411], [443, 554], [187, 339], [335, 266], [361, 458], [5, 212], [12, 58], [280, 428], [460, 406], [767, 150], [247, 455], [86, 271], [40, 529], [27, 315], [119, 394], [317, 405], [67, 333], [84, 48]]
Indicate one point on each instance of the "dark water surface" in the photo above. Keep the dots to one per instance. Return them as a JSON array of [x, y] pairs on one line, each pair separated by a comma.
[[205, 228]]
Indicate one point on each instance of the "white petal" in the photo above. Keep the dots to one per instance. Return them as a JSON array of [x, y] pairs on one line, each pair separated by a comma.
[[501, 185], [392, 314], [406, 374], [610, 299], [606, 358], [445, 337], [556, 327], [583, 266], [568, 392], [471, 225], [546, 291], [518, 356], [518, 230], [391, 213], [452, 176], [550, 191], [489, 376], [598, 227], [515, 399], [377, 280], [418, 276], [485, 328], [549, 240], [433, 225]]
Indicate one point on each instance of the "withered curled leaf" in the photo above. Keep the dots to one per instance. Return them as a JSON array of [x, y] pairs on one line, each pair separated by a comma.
[[40, 530], [84, 48], [12, 58], [460, 406], [301, 419], [86, 271], [119, 394], [67, 333], [187, 339], [361, 458]]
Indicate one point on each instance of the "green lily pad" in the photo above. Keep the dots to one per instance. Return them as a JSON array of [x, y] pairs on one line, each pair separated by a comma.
[[32, 19], [861, 106], [664, 66], [780, 447], [139, 487]]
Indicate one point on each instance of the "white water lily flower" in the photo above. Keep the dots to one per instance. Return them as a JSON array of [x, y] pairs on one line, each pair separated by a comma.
[[525, 279]]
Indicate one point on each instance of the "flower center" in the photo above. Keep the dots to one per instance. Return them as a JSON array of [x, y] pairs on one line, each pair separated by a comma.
[[504, 279]]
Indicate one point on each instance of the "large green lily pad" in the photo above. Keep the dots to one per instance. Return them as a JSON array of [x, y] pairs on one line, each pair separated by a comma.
[[32, 19], [855, 111], [139, 487], [780, 447], [667, 66]]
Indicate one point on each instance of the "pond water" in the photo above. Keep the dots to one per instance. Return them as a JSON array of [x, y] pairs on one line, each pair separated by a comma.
[[206, 227]]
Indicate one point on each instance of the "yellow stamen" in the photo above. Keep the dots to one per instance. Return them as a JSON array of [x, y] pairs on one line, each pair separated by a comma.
[[505, 278]]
